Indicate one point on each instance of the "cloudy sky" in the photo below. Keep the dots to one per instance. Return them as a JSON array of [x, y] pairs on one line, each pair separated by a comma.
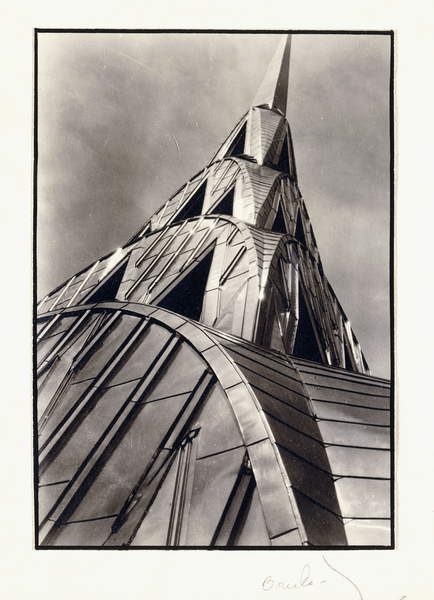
[[114, 108]]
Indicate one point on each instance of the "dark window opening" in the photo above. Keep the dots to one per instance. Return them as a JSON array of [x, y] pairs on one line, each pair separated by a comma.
[[283, 164], [186, 298], [279, 225], [305, 345], [109, 289], [194, 205], [237, 146], [348, 361], [226, 205], [299, 231]]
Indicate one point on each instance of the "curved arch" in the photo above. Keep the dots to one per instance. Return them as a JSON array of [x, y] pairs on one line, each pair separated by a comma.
[[271, 477]]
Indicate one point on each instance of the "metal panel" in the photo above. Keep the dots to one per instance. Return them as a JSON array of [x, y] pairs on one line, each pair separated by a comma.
[[169, 318], [72, 342], [114, 482], [103, 352], [222, 367], [355, 435], [344, 380], [274, 496], [268, 359], [366, 532], [87, 474], [55, 375], [323, 370], [259, 380], [64, 403], [48, 384], [180, 376], [213, 481], [154, 527], [254, 532], [292, 538], [359, 461], [47, 496], [240, 303], [248, 416], [90, 425], [347, 397], [286, 413], [347, 413], [197, 336], [47, 344], [323, 528], [62, 324], [89, 533], [314, 482], [141, 355], [235, 510], [219, 430], [366, 498], [270, 125], [310, 448], [257, 367], [231, 289]]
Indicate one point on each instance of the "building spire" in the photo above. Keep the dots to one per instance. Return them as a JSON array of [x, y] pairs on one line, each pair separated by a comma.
[[273, 91]]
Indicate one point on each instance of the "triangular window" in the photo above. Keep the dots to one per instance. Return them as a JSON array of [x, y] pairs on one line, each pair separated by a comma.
[[193, 206], [299, 231], [107, 290], [186, 298], [283, 164], [237, 146], [305, 345], [348, 361], [279, 222], [226, 205]]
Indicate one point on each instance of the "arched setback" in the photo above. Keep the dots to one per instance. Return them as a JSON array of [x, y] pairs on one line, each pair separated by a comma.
[[245, 208], [278, 503], [254, 186], [282, 193], [222, 230]]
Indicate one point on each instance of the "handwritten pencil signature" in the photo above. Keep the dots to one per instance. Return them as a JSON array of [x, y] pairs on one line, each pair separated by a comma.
[[306, 580]]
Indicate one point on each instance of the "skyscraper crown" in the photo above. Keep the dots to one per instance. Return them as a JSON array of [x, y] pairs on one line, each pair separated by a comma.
[[234, 247]]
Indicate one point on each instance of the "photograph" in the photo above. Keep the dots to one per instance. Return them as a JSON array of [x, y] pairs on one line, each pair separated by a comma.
[[213, 272]]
